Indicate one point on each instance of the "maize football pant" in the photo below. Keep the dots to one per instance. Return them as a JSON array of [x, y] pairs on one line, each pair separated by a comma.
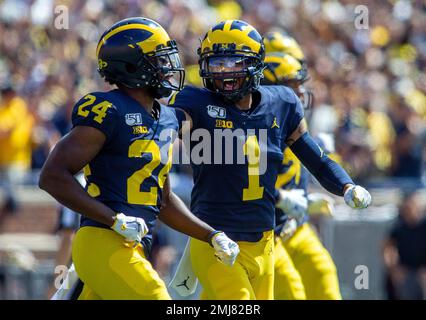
[[288, 284], [314, 264], [251, 277], [111, 269]]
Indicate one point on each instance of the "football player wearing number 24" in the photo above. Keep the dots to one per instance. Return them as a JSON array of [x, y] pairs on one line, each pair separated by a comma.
[[238, 198], [116, 141]]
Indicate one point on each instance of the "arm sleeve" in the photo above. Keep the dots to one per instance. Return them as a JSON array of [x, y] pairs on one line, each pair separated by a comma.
[[295, 115], [94, 111], [328, 173]]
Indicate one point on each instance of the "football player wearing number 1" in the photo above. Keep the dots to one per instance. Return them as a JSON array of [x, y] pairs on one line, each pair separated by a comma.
[[310, 258], [123, 140], [239, 197]]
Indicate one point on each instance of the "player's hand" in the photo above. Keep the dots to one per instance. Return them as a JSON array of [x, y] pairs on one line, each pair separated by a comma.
[[226, 250], [357, 197], [289, 228], [293, 203], [320, 204], [131, 228]]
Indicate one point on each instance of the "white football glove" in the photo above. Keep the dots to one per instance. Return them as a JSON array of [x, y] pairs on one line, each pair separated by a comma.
[[184, 281], [293, 203], [133, 229], [289, 228], [226, 250], [357, 197]]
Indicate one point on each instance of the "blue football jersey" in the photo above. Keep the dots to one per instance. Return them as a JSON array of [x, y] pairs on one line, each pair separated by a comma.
[[239, 197], [129, 172]]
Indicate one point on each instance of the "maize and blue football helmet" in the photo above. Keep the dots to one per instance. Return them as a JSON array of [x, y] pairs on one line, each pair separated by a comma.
[[231, 59], [138, 53]]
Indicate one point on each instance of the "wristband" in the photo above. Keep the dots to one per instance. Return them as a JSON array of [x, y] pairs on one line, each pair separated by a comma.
[[211, 235]]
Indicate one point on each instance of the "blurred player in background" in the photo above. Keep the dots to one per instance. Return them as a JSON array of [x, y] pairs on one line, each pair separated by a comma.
[[280, 41], [116, 139], [293, 232], [238, 198], [16, 123]]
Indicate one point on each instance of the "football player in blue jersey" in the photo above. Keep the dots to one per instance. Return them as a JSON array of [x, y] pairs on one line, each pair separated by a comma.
[[294, 235], [122, 138], [239, 197]]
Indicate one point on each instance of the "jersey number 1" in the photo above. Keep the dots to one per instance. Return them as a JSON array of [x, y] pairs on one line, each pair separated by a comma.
[[252, 151]]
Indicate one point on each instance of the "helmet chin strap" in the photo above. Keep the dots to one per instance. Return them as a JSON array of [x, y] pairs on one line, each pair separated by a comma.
[[158, 93], [233, 98], [155, 90]]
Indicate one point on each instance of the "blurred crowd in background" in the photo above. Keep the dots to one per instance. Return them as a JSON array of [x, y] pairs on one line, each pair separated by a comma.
[[369, 79]]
